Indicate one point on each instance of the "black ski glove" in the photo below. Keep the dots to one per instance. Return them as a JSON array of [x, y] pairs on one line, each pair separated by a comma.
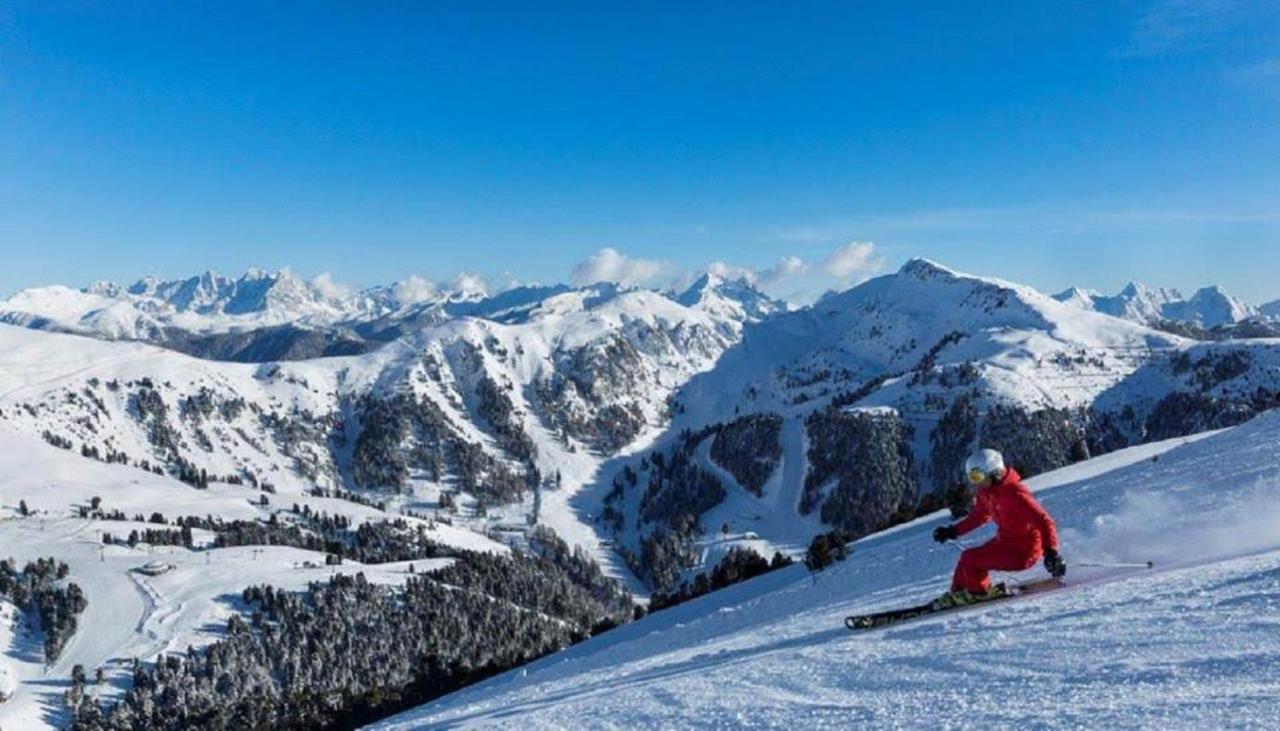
[[1054, 564], [944, 533]]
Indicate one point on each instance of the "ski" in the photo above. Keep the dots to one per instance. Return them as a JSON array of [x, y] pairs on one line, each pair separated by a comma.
[[895, 616]]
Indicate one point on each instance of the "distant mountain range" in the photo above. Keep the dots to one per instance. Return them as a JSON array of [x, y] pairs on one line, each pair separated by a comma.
[[263, 316], [1209, 307]]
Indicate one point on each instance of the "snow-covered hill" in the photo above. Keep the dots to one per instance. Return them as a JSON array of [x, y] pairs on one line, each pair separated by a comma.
[[1193, 644], [732, 300], [1209, 307]]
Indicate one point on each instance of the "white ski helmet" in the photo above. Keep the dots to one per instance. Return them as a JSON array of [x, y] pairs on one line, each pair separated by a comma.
[[986, 461]]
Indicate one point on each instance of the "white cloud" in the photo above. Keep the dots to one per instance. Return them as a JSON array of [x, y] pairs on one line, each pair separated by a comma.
[[325, 286], [467, 283], [787, 267], [800, 281], [414, 289], [853, 261], [729, 271], [611, 265]]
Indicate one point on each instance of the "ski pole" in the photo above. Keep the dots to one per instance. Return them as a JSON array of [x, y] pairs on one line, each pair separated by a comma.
[[1098, 565]]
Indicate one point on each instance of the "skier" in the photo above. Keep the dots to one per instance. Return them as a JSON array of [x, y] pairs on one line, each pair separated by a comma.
[[1025, 532]]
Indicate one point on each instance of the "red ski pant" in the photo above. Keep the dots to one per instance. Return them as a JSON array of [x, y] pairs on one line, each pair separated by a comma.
[[994, 555]]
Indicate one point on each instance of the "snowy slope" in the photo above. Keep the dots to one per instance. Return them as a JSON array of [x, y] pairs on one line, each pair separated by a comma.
[[47, 383], [1193, 644]]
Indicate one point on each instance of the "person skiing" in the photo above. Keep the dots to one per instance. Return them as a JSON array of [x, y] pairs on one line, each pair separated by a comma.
[[1024, 532]]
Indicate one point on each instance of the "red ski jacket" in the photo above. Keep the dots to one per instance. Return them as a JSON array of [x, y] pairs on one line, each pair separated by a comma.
[[1019, 518]]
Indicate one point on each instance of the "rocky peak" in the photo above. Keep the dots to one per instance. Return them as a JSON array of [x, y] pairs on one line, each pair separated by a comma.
[[926, 270], [738, 298]]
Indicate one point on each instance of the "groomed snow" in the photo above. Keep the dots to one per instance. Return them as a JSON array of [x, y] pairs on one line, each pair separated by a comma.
[[1193, 644]]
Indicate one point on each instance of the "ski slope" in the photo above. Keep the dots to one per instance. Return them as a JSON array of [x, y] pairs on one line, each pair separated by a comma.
[[1193, 644]]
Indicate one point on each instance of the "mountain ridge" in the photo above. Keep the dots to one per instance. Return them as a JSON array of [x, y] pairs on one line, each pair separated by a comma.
[[1208, 307], [534, 405], [264, 316]]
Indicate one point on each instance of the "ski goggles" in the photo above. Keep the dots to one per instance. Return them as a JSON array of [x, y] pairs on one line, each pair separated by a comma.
[[977, 476]]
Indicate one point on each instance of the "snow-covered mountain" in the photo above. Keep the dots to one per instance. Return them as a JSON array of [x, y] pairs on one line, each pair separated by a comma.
[[163, 311], [205, 303], [1191, 644], [262, 317], [1208, 308], [734, 300], [654, 432], [501, 421], [550, 404], [564, 362], [845, 413], [1211, 307]]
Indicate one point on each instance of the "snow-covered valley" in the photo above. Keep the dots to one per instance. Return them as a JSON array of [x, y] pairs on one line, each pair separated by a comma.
[[130, 614]]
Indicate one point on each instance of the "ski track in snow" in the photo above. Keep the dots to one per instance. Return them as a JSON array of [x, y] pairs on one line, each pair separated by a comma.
[[1194, 644], [774, 517]]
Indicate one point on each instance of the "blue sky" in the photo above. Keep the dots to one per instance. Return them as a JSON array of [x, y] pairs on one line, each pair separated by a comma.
[[1051, 143]]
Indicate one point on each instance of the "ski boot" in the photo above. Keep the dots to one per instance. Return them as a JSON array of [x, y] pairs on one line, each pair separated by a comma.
[[963, 597]]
